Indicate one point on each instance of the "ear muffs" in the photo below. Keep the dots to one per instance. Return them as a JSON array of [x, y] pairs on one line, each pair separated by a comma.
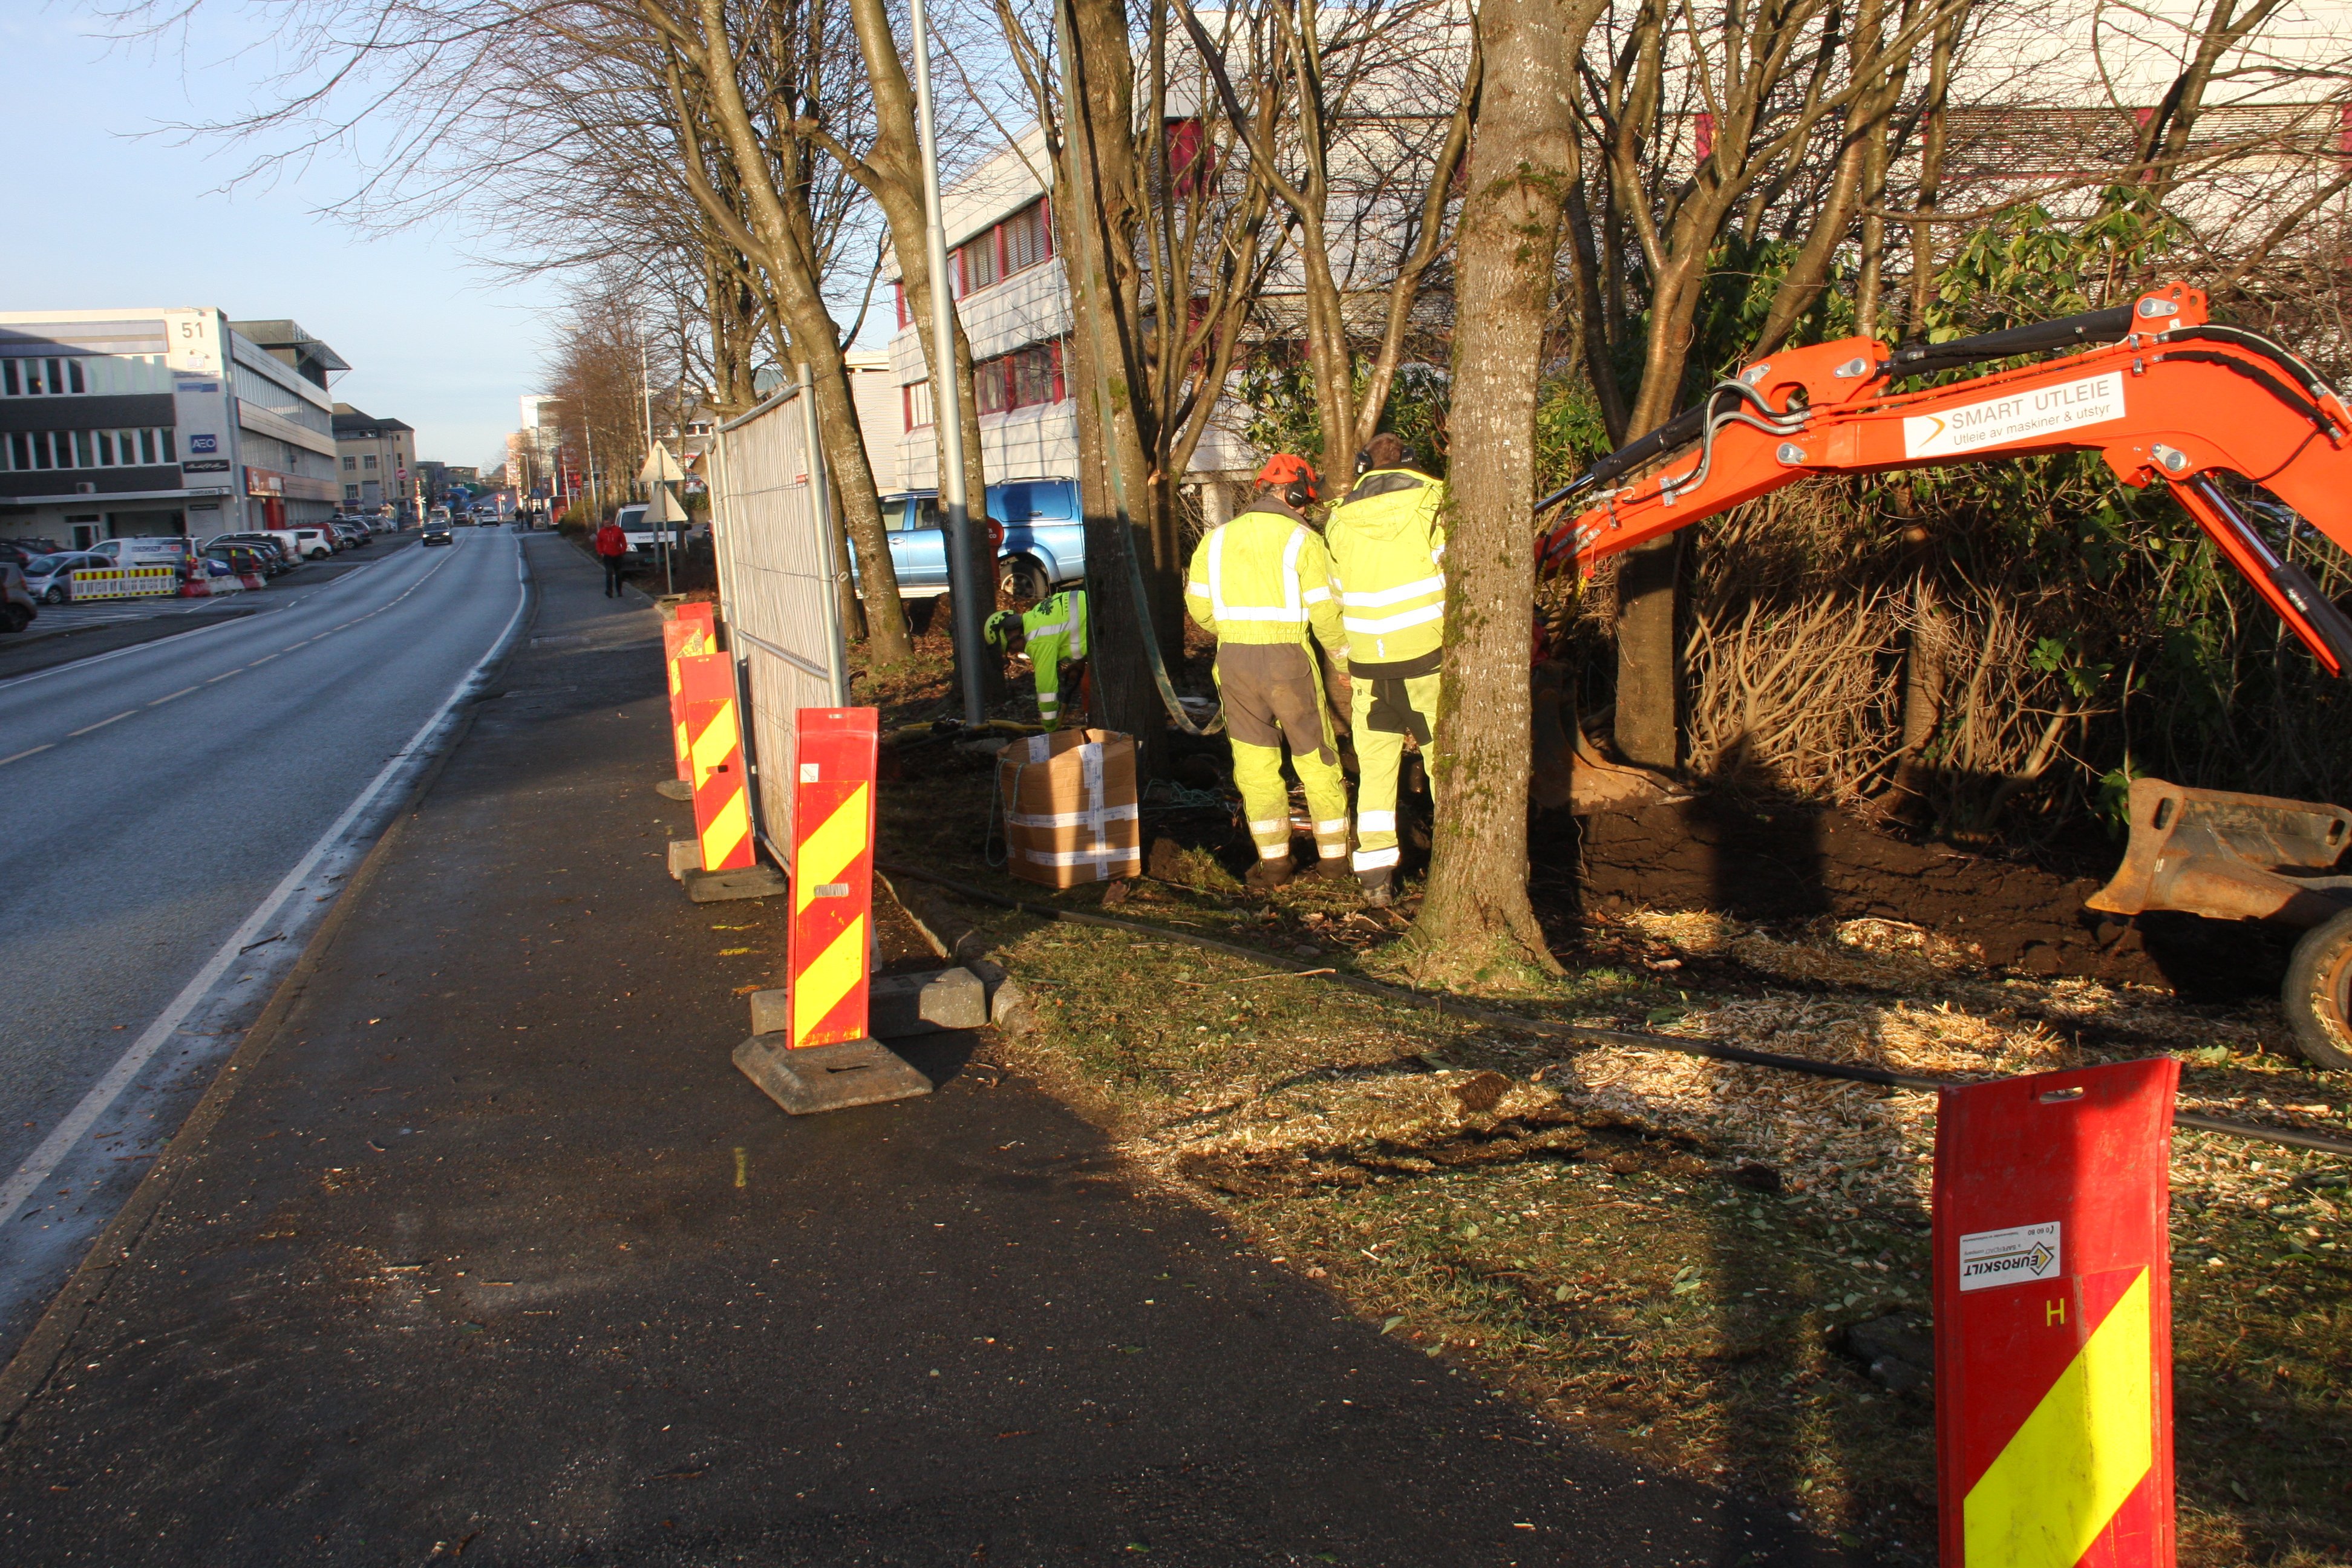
[[1301, 494]]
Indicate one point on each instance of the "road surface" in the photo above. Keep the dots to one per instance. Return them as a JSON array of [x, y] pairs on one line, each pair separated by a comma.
[[170, 805]]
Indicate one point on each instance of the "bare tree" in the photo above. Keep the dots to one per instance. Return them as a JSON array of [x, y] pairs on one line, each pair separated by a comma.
[[1327, 88], [1476, 923]]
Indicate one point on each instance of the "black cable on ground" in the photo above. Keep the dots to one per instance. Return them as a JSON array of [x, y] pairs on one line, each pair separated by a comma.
[[1445, 1004]]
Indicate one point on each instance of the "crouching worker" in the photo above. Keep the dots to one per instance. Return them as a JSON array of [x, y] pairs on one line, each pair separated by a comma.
[[1258, 582], [1047, 636], [1388, 555]]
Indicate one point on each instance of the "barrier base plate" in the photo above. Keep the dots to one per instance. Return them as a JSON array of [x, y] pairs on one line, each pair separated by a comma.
[[684, 855], [718, 887], [827, 1078], [674, 789]]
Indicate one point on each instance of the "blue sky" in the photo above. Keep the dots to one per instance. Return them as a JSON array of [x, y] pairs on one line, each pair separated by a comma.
[[98, 216]]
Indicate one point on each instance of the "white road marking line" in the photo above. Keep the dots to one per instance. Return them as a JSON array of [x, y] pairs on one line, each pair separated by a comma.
[[37, 1165], [238, 671], [181, 692], [101, 724], [22, 755], [259, 662]]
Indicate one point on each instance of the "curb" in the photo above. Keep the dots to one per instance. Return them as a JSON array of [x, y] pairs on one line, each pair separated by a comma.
[[28, 1372]]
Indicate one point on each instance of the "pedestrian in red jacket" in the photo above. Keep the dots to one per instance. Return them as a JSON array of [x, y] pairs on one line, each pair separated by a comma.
[[611, 548]]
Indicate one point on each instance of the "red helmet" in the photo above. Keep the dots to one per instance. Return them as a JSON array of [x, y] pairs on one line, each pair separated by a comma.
[[1287, 471]]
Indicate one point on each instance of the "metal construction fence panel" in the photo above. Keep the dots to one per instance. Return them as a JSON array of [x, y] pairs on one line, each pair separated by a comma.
[[777, 585]]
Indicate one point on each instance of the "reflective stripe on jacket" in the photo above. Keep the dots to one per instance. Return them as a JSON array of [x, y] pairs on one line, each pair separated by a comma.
[[1054, 631], [1388, 563], [1264, 577]]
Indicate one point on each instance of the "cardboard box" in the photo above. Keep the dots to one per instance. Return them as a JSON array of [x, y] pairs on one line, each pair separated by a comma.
[[1070, 807]]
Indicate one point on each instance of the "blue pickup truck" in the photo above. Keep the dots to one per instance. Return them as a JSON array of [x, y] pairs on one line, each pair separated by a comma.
[[1045, 538]]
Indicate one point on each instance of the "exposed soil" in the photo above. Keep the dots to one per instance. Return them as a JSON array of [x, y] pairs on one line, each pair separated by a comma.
[[1800, 862]]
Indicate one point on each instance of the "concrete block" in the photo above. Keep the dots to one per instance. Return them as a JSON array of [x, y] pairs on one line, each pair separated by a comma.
[[898, 1005], [718, 887], [684, 855], [674, 789], [771, 1011], [827, 1078]]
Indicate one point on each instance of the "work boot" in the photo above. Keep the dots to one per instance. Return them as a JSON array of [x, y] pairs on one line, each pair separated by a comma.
[[1267, 875], [1377, 895], [1329, 868]]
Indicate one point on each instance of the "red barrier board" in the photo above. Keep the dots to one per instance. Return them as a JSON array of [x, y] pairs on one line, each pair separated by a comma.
[[722, 795], [2054, 1314], [688, 632], [832, 873]]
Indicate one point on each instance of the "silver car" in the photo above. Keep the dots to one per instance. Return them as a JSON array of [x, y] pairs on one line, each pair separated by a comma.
[[49, 578]]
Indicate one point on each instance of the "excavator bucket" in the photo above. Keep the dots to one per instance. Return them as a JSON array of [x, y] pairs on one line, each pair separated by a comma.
[[2231, 857]]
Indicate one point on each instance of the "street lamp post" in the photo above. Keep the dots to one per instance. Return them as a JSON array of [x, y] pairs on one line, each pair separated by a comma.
[[947, 409]]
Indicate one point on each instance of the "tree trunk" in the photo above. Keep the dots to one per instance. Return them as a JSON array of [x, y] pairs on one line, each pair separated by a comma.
[[1127, 696], [1476, 924], [1648, 723]]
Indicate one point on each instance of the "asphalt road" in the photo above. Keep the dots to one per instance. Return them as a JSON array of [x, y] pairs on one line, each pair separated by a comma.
[[159, 799]]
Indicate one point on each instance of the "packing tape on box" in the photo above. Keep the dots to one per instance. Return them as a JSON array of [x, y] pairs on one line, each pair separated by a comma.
[[1092, 817], [1102, 860]]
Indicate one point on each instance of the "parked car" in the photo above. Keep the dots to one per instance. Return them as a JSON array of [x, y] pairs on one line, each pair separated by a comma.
[[271, 548], [244, 560], [49, 578], [17, 606], [309, 542], [1043, 547], [438, 529], [16, 551]]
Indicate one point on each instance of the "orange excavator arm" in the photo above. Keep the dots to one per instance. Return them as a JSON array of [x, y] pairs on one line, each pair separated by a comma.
[[2166, 397]]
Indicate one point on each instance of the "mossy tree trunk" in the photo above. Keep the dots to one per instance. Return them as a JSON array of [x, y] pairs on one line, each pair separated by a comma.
[[1476, 924]]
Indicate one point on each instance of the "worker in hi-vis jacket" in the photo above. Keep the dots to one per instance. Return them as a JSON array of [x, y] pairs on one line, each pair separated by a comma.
[[1387, 541], [1046, 636], [1259, 582]]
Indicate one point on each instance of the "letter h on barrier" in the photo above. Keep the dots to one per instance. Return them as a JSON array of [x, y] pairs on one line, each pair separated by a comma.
[[2053, 1319]]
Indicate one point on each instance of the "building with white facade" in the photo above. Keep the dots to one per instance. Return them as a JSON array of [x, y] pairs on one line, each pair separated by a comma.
[[164, 421], [1014, 301]]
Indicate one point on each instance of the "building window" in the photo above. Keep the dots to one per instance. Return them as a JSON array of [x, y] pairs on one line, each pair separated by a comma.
[[349, 462], [12, 381], [1028, 238], [351, 492], [915, 400], [1025, 378], [146, 445], [369, 462], [976, 263]]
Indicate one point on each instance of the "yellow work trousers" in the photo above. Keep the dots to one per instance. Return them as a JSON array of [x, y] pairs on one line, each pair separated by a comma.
[[1383, 713], [1273, 695]]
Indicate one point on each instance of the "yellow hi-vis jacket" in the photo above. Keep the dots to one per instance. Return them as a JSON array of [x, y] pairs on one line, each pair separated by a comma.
[[1054, 631], [1388, 563], [1261, 578]]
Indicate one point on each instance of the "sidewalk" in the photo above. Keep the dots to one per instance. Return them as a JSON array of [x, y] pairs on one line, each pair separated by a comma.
[[492, 1252]]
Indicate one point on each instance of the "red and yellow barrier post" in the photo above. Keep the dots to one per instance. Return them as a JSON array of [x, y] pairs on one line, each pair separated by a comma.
[[686, 633], [2053, 1312], [824, 1058], [832, 874], [714, 743]]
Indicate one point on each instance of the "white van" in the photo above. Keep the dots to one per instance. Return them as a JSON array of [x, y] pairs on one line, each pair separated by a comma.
[[161, 550]]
